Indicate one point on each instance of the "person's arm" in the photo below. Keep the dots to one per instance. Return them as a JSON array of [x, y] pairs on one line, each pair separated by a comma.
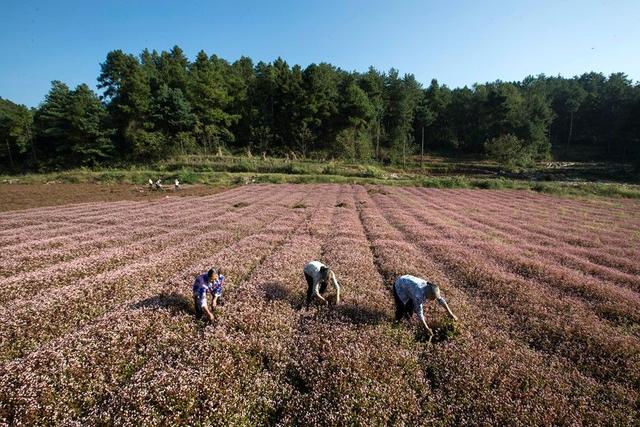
[[206, 310], [420, 313], [443, 303], [316, 291], [337, 286], [217, 291]]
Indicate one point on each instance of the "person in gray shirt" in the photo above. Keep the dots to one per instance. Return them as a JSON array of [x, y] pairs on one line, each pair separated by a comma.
[[410, 293]]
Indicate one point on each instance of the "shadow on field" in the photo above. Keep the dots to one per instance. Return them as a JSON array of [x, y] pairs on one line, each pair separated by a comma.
[[358, 314], [174, 301], [275, 291]]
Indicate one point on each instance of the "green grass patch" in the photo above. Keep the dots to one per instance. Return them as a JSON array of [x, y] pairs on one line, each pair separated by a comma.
[[235, 170]]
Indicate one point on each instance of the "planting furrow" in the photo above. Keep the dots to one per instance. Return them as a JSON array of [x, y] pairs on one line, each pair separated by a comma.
[[73, 211], [105, 214], [165, 314], [542, 233], [244, 333], [33, 257], [581, 229], [548, 322], [548, 219], [562, 209], [548, 331], [611, 302], [48, 233], [65, 274], [484, 376], [38, 226], [148, 215], [28, 325], [188, 217], [495, 229], [345, 359]]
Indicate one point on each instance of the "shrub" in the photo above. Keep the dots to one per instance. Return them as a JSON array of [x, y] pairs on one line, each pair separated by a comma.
[[352, 144], [112, 176], [370, 171], [187, 176], [330, 169], [508, 150], [147, 145]]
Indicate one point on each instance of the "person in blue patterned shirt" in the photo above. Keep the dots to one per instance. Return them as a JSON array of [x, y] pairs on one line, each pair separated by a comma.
[[201, 286], [217, 282]]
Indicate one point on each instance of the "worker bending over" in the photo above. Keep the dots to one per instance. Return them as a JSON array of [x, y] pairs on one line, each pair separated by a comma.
[[201, 286], [410, 293], [318, 276]]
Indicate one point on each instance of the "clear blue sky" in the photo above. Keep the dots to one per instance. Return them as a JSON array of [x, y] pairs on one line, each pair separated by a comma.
[[457, 42]]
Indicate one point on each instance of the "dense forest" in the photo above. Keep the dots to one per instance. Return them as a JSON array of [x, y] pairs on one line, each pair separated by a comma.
[[156, 105]]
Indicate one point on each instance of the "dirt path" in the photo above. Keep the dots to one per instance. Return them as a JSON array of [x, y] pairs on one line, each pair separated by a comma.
[[24, 196]]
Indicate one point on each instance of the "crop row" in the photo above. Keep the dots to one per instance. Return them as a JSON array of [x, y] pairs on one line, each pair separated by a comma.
[[547, 321], [83, 268], [30, 321], [486, 375], [538, 343], [545, 230], [133, 215], [606, 297], [170, 313]]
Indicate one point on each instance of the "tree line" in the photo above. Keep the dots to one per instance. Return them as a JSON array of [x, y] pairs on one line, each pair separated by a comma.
[[159, 104]]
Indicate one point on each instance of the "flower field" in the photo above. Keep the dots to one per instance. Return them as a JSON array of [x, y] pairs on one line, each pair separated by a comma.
[[97, 324]]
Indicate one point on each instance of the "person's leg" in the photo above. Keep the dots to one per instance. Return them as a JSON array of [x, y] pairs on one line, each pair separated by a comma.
[[323, 287], [399, 304], [196, 303], [309, 289], [408, 309]]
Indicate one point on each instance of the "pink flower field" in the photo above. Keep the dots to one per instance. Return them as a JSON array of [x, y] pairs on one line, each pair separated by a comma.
[[97, 320]]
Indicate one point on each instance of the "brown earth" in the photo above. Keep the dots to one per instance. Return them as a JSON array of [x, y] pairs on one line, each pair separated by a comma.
[[24, 196]]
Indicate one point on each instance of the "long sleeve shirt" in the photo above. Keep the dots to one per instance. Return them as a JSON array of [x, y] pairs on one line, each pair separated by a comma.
[[200, 288], [216, 286], [313, 269], [417, 290]]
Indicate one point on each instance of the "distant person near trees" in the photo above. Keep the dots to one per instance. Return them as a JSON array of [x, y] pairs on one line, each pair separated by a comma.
[[318, 276], [410, 293]]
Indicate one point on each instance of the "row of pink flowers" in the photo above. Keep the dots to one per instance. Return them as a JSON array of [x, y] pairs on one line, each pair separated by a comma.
[[27, 324], [527, 350], [606, 297], [495, 374], [564, 326]]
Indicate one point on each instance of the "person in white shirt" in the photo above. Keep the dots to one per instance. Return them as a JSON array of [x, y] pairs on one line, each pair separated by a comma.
[[318, 276], [410, 293]]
